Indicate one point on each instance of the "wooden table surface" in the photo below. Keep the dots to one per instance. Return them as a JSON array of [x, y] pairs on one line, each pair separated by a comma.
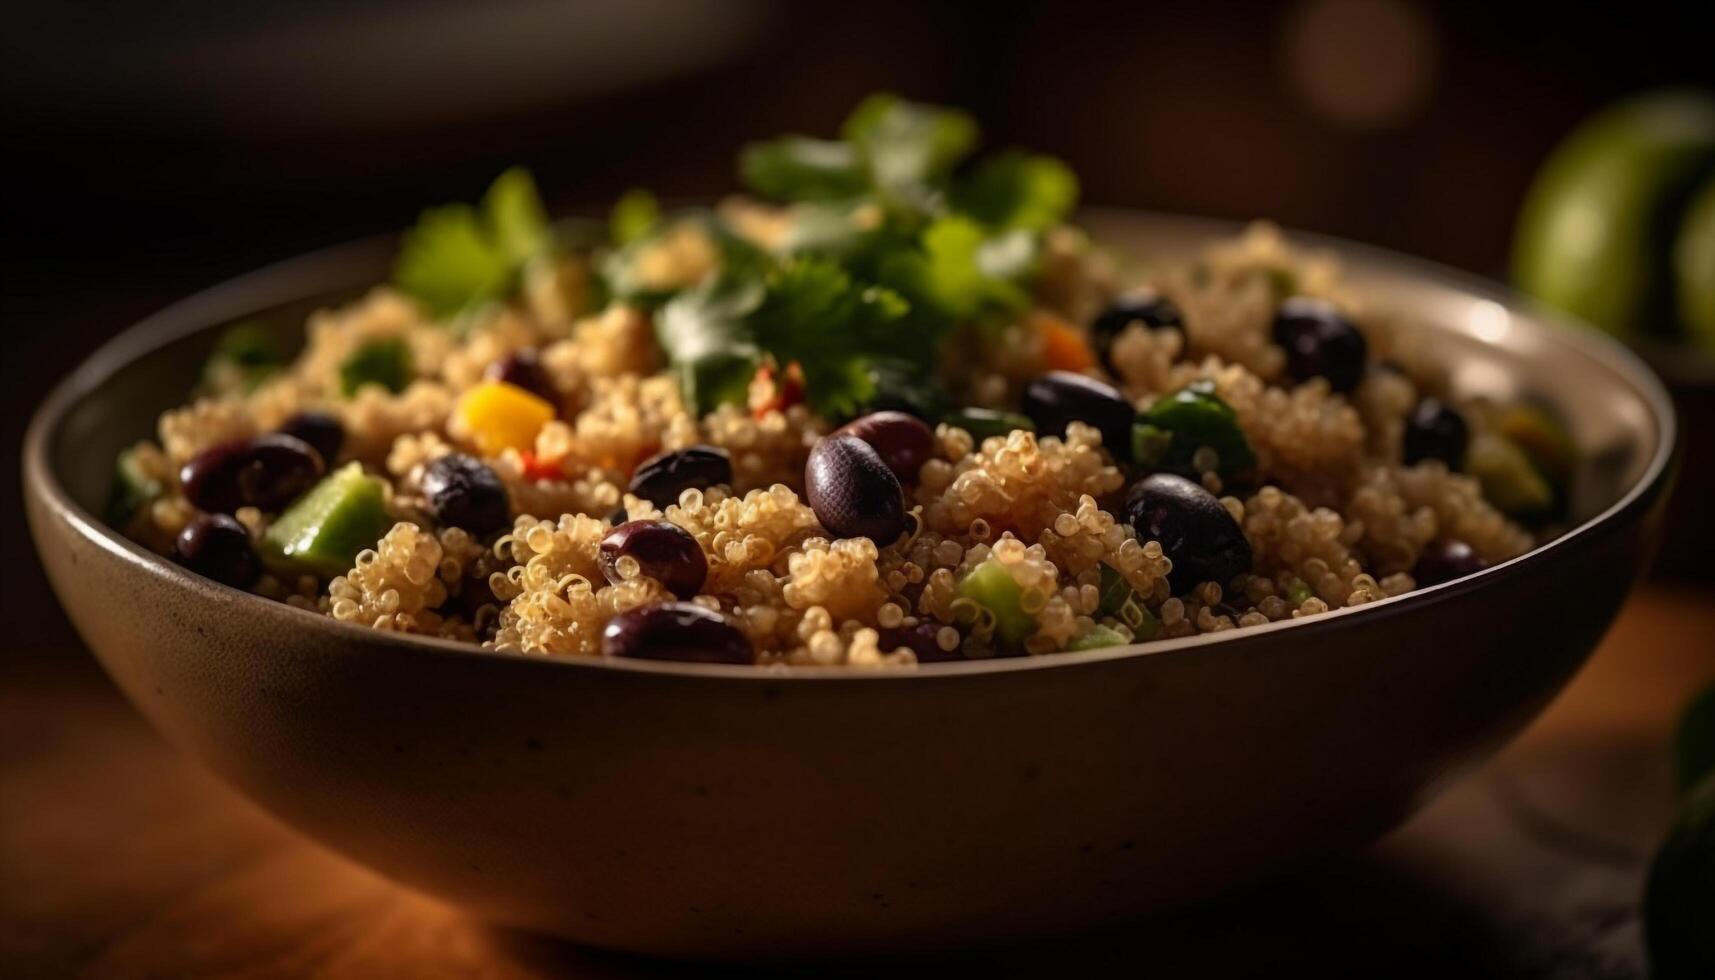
[[118, 858]]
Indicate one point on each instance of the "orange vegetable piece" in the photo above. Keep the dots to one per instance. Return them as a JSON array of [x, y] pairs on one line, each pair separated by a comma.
[[1063, 345], [496, 416]]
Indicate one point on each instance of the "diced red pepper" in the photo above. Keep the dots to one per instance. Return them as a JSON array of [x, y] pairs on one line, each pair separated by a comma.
[[537, 470], [773, 390]]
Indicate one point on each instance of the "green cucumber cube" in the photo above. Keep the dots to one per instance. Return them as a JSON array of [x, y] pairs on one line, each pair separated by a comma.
[[322, 531]]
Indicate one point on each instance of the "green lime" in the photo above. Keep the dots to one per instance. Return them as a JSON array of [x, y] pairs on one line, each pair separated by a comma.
[[1694, 268], [1598, 222], [1694, 740], [1679, 898]]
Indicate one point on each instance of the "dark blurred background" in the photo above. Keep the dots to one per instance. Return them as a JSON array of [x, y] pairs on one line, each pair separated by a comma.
[[157, 149]]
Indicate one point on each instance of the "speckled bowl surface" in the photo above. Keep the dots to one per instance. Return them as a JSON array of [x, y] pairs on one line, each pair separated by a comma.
[[719, 811]]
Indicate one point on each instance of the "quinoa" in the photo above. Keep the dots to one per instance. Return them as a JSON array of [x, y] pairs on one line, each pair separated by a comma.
[[1331, 511]]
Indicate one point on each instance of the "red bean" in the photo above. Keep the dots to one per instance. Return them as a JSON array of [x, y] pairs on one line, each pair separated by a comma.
[[1444, 561], [523, 368], [679, 631], [853, 492], [924, 639], [216, 546], [267, 473], [903, 441], [664, 551]]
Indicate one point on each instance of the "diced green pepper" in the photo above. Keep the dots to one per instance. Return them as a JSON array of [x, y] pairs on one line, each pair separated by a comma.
[[1115, 591], [1147, 626], [1544, 440], [132, 490], [323, 531], [385, 361], [1169, 434], [1099, 636], [991, 586], [1508, 478], [246, 353], [982, 423], [1150, 445]]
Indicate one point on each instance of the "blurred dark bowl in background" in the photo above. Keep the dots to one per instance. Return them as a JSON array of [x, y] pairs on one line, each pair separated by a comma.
[[157, 150]]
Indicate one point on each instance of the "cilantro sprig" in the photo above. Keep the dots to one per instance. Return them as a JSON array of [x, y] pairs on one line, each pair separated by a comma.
[[808, 311], [894, 244], [891, 249], [458, 256]]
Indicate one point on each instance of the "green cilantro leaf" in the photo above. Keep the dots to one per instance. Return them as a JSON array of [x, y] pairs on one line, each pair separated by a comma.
[[1009, 256], [949, 274], [830, 230], [798, 168], [458, 255], [909, 146], [904, 385], [1018, 190], [515, 218], [635, 216], [740, 259], [816, 314], [708, 343], [448, 262]]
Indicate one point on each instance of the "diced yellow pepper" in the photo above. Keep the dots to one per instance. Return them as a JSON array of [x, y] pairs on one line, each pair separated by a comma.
[[496, 416]]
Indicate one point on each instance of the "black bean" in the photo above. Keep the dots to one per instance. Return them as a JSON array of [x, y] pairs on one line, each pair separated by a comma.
[[676, 631], [1059, 398], [1444, 561], [1434, 430], [463, 492], [1320, 343], [853, 492], [266, 472], [664, 551], [661, 479], [903, 441], [1150, 308], [523, 368], [216, 546], [322, 431], [922, 639], [1196, 532]]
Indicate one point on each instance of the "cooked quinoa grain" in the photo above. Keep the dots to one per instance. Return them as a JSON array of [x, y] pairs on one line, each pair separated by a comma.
[[724, 331]]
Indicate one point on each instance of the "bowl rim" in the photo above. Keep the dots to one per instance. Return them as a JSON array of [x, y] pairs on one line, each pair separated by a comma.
[[319, 272]]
